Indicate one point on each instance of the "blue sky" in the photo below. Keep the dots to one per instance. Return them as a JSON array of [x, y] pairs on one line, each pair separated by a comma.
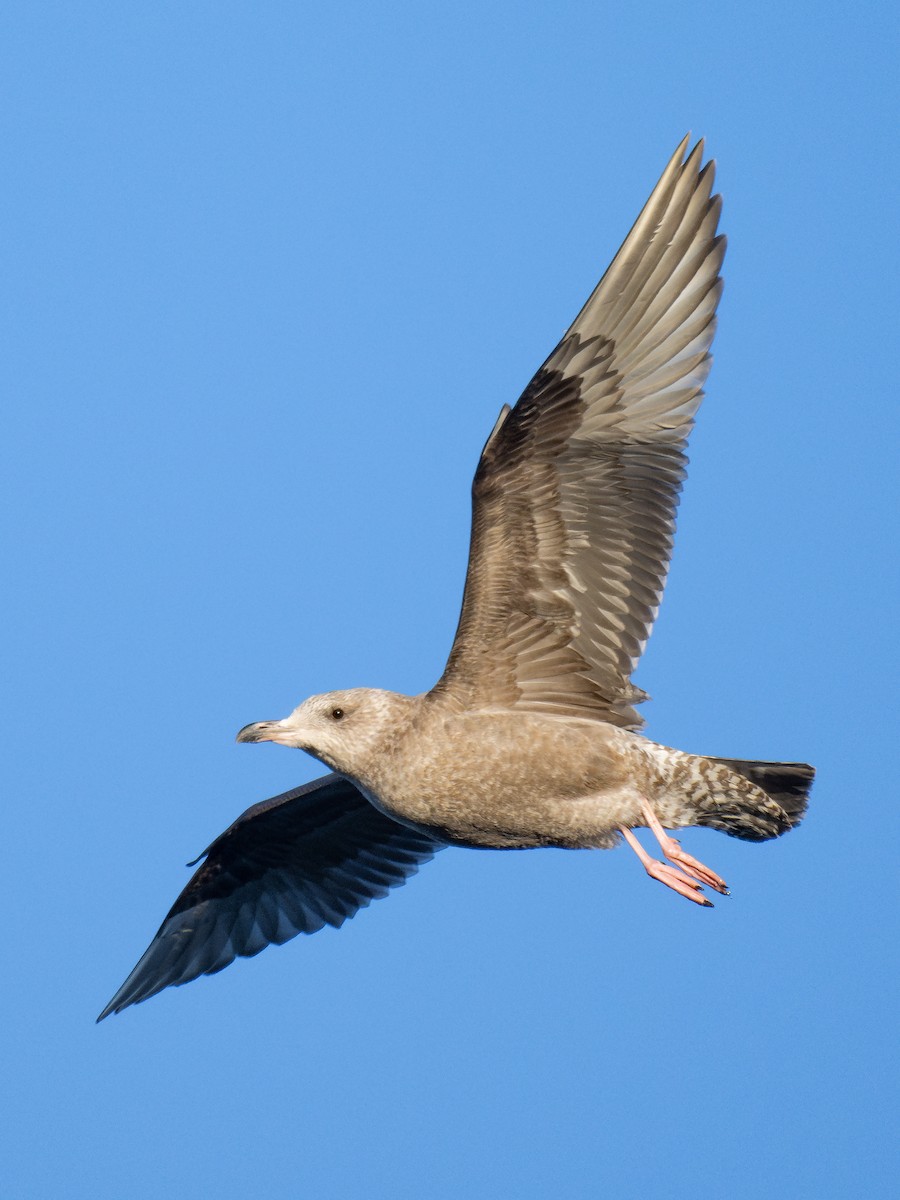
[[270, 271]]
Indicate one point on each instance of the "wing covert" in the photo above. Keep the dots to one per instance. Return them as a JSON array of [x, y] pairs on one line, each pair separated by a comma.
[[575, 496], [307, 858]]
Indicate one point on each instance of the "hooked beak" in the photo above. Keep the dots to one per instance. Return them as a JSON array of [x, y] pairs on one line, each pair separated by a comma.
[[263, 731]]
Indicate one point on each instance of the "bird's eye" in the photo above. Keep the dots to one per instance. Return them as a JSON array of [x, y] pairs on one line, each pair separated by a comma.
[[337, 713]]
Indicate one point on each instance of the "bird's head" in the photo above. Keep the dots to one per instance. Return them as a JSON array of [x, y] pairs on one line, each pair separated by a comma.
[[342, 729]]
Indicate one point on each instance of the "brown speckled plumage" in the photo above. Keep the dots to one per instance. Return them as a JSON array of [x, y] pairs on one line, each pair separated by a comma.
[[529, 737]]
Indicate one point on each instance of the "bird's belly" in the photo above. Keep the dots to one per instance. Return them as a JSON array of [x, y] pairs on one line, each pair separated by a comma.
[[573, 795], [579, 823]]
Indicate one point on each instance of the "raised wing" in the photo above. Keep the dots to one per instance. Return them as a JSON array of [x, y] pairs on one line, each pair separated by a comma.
[[575, 495], [308, 858]]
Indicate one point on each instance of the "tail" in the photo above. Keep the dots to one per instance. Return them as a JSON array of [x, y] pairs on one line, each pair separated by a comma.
[[774, 803]]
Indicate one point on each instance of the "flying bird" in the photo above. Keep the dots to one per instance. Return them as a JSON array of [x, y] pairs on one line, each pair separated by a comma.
[[530, 737]]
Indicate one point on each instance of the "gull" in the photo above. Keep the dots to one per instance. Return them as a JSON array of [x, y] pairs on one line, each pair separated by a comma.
[[530, 737]]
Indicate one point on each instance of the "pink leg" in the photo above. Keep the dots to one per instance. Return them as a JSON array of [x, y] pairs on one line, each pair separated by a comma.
[[689, 888], [671, 848]]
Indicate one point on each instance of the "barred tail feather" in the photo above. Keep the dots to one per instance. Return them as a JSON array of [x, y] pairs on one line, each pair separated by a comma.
[[774, 804]]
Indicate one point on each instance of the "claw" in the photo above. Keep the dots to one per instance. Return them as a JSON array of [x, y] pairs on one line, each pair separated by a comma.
[[672, 877], [671, 848], [677, 882]]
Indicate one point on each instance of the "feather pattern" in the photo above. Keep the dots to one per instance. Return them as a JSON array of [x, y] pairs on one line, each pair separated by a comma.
[[575, 495], [310, 857]]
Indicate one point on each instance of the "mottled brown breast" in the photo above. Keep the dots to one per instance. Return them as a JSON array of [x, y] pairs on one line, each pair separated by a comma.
[[499, 778]]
